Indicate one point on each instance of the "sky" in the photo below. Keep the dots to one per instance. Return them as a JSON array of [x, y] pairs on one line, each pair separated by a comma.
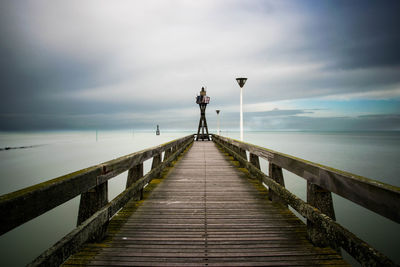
[[96, 64]]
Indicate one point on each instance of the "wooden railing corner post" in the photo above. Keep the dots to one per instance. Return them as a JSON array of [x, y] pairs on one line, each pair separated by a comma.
[[276, 174], [91, 202], [174, 148], [322, 200], [134, 174], [242, 153], [168, 152], [255, 161], [156, 162]]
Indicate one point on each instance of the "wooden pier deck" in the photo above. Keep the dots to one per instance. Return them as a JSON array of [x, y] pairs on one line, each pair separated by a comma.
[[205, 213]]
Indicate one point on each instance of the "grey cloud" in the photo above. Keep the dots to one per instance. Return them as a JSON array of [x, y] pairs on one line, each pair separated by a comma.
[[103, 121], [56, 57], [360, 123], [355, 34], [279, 112]]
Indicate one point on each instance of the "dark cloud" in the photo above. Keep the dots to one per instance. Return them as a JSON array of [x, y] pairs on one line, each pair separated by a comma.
[[96, 64], [355, 34]]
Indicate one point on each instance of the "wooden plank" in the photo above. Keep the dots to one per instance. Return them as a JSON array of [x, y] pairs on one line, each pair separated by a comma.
[[376, 196], [203, 220]]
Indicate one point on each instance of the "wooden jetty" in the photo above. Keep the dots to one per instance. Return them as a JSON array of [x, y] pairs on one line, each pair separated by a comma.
[[212, 208]]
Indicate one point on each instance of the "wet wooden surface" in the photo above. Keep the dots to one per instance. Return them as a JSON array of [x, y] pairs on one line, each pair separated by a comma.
[[205, 213]]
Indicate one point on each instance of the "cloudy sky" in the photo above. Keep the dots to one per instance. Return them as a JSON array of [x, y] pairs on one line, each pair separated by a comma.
[[93, 64]]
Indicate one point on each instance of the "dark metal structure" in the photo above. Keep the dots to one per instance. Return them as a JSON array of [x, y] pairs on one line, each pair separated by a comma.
[[202, 100], [158, 130]]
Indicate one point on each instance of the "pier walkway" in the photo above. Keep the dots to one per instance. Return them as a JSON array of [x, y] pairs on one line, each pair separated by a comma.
[[205, 212]]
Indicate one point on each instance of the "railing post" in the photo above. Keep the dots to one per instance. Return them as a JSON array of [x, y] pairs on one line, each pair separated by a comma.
[[174, 148], [242, 153], [92, 201], [167, 154], [276, 174], [235, 148], [239, 151], [134, 174], [322, 200], [254, 160], [156, 162]]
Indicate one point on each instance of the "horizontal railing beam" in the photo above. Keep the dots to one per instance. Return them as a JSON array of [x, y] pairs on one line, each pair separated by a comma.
[[23, 205], [376, 196]]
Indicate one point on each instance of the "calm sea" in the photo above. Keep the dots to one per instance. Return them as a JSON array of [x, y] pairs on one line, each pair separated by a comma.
[[375, 155]]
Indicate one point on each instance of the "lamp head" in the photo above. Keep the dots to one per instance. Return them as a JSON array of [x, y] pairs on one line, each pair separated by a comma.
[[241, 81], [203, 92]]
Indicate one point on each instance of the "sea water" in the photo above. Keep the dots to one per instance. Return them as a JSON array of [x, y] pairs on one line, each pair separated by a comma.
[[375, 155]]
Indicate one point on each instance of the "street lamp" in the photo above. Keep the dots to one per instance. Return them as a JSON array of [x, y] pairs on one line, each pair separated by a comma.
[[241, 82], [218, 120]]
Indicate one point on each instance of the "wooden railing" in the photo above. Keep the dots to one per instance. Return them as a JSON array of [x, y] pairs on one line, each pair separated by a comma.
[[94, 210], [322, 229]]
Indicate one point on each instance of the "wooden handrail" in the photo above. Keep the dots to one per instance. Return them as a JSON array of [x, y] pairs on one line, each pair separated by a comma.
[[319, 221], [376, 196], [23, 205]]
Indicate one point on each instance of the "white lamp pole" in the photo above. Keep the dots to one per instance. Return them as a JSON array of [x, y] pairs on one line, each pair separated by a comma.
[[218, 120], [241, 82]]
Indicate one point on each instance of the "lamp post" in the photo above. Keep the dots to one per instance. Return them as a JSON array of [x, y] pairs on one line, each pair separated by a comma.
[[241, 82], [218, 120]]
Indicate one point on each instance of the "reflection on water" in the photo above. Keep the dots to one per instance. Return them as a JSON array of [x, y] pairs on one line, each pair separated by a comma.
[[374, 155]]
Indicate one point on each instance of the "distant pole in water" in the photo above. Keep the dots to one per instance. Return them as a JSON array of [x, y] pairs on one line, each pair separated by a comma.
[[96, 135], [218, 132], [158, 130], [241, 82]]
